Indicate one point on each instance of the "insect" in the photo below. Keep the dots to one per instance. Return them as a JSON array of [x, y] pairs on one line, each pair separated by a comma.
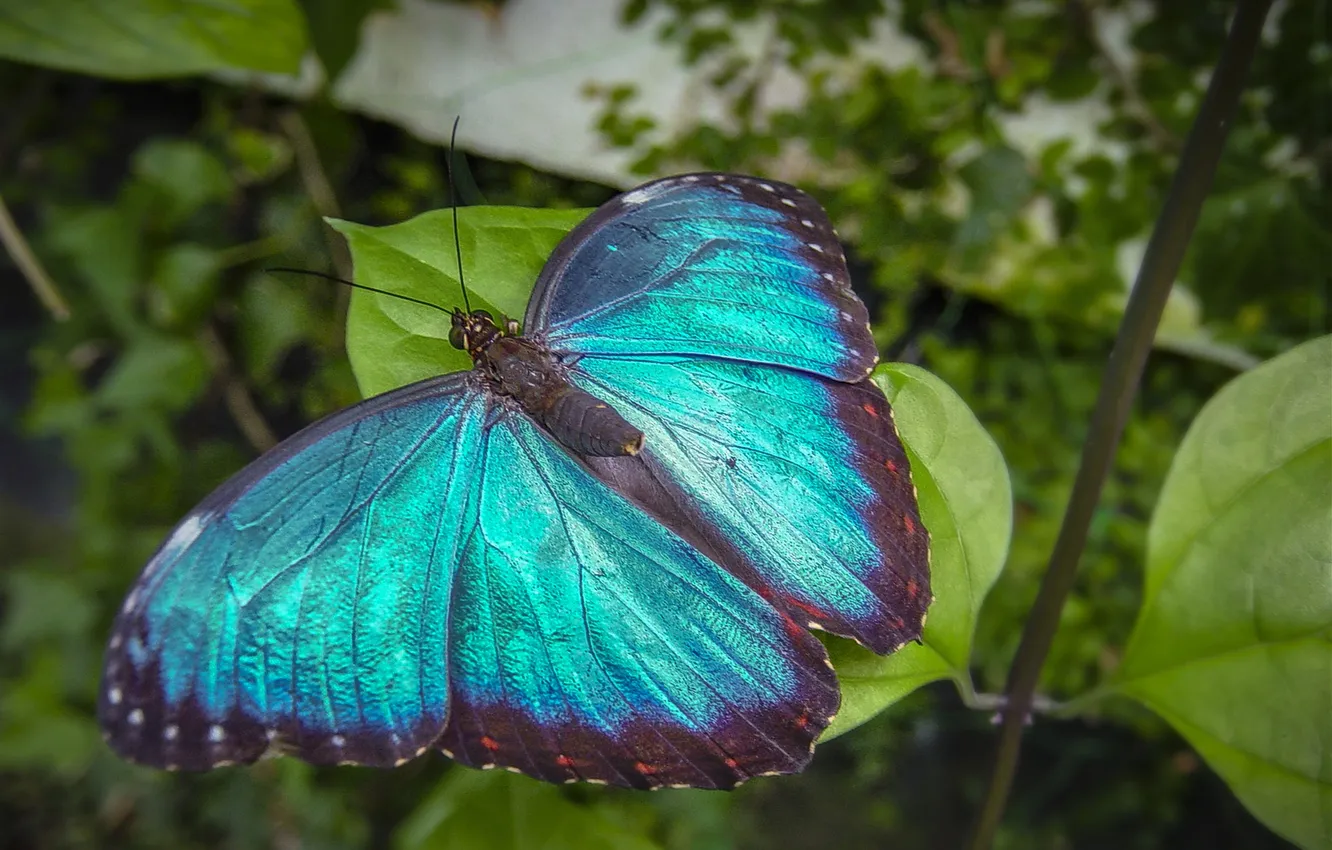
[[595, 556]]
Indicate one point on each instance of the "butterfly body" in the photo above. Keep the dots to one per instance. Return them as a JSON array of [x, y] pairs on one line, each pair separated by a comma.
[[519, 369], [595, 556]]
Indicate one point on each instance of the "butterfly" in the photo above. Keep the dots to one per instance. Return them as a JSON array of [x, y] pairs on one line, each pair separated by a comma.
[[596, 556]]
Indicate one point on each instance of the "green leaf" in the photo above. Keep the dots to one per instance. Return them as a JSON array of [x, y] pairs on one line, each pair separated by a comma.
[[392, 342], [105, 247], [155, 372], [335, 29], [135, 39], [501, 811], [274, 317], [183, 174], [1233, 645], [966, 502], [183, 285]]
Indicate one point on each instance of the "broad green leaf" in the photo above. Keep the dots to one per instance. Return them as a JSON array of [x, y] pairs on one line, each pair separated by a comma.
[[392, 342], [472, 810], [1233, 645], [135, 39], [966, 502]]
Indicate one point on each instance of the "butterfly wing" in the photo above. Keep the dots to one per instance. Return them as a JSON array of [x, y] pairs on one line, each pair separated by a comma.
[[731, 338], [431, 556], [706, 264], [304, 605], [589, 642], [800, 484]]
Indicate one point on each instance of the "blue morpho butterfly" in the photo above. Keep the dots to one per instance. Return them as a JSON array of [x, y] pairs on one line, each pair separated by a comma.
[[595, 556]]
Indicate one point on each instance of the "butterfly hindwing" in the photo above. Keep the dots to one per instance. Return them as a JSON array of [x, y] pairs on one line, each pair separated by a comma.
[[709, 265], [801, 479], [588, 642], [303, 607]]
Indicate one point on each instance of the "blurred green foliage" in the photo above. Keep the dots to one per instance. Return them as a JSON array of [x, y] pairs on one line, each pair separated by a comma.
[[996, 260]]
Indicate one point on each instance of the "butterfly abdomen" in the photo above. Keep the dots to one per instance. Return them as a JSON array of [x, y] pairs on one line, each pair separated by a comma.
[[576, 418]]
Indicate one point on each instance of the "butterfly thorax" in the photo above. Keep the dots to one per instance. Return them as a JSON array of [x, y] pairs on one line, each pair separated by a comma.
[[526, 373]]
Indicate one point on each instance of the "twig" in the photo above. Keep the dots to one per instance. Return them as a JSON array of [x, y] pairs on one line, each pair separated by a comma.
[[1165, 252], [317, 185], [236, 395], [31, 268]]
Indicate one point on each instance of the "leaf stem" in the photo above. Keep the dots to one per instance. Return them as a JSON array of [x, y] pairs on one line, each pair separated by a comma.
[[1165, 252], [33, 271]]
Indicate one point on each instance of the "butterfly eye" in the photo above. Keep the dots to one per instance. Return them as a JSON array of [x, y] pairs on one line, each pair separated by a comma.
[[457, 338]]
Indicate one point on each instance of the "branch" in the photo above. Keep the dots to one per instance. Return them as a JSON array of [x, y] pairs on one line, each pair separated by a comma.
[[317, 185], [33, 271], [1160, 264], [237, 396]]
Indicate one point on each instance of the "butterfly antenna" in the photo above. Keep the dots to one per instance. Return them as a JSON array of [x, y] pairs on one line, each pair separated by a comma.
[[337, 279], [453, 202]]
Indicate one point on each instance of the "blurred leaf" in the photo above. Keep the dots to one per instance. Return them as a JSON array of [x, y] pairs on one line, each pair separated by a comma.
[[260, 156], [105, 247], [966, 502], [274, 316], [500, 811], [1000, 185], [392, 342], [1234, 642], [185, 174], [335, 29], [42, 607], [133, 39], [183, 285], [156, 372], [38, 729]]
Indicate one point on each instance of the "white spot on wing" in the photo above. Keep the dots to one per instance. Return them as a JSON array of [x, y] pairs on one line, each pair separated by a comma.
[[338, 741], [643, 194], [788, 202], [114, 696], [136, 717], [171, 732], [185, 534], [216, 733]]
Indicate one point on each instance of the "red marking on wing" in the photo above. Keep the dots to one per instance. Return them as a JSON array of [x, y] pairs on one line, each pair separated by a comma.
[[489, 743], [732, 763], [792, 627], [909, 523], [912, 588], [869, 408], [803, 720], [644, 768], [812, 611], [897, 623], [890, 466], [564, 761]]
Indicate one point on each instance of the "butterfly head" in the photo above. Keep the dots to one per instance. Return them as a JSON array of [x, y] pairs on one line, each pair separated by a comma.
[[475, 331]]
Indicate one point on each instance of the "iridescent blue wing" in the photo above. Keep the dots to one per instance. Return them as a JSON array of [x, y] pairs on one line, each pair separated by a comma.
[[303, 606], [589, 642], [431, 556], [727, 332], [798, 484], [706, 264]]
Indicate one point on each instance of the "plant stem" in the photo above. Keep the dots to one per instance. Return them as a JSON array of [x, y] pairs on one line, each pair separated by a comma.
[[1161, 262], [41, 283]]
